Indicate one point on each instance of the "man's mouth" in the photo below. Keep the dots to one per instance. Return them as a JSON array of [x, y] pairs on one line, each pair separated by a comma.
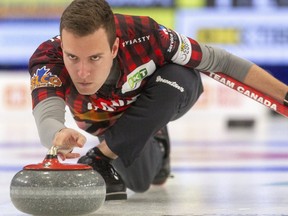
[[84, 84]]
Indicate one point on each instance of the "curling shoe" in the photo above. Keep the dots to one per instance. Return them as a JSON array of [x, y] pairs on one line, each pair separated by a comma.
[[162, 137], [115, 186]]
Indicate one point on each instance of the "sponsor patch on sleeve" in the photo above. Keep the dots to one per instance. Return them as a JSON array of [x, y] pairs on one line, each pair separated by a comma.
[[43, 78], [183, 54]]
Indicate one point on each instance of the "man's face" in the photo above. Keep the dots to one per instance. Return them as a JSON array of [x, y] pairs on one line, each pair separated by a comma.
[[88, 59]]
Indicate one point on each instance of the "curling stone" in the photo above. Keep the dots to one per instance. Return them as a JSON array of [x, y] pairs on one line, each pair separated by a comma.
[[54, 188]]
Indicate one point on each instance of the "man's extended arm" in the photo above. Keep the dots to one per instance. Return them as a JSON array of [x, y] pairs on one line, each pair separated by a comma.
[[49, 116], [218, 60], [266, 83]]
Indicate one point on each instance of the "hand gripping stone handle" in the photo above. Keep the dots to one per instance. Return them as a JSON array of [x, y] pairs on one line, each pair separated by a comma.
[[52, 152], [249, 92], [51, 162]]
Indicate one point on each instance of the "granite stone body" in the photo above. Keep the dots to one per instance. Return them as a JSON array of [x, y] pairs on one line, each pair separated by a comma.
[[57, 192]]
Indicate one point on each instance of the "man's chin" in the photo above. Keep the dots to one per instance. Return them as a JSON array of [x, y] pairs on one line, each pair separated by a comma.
[[86, 92]]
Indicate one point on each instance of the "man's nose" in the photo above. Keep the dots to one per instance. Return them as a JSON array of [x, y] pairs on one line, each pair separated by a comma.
[[83, 70]]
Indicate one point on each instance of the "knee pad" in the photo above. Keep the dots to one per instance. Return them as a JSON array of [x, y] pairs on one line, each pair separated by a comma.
[[139, 187]]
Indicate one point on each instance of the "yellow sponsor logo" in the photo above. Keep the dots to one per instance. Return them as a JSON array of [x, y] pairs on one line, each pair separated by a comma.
[[219, 35]]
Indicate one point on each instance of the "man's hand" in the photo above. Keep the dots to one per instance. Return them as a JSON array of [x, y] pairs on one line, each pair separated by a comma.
[[66, 139]]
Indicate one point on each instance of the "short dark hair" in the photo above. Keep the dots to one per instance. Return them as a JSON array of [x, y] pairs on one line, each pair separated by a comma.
[[83, 17]]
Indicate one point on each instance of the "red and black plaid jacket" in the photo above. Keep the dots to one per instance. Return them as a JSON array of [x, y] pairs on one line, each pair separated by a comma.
[[144, 46]]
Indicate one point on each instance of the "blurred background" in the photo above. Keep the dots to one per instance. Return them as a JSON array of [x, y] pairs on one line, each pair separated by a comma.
[[256, 30]]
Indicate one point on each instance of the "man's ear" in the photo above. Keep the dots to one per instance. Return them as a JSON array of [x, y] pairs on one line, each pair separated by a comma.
[[115, 47]]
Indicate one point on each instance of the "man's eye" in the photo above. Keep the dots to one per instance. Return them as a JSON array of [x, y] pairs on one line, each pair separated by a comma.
[[95, 58], [72, 57]]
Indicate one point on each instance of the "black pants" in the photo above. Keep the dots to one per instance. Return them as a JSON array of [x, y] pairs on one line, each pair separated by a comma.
[[170, 93]]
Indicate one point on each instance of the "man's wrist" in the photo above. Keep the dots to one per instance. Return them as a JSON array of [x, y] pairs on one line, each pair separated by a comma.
[[286, 100]]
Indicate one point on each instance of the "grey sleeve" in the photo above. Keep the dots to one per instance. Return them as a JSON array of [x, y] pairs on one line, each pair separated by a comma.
[[215, 59], [49, 116]]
